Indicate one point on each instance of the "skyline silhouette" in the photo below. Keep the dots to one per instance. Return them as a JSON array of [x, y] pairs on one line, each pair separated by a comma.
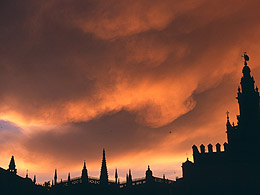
[[213, 171]]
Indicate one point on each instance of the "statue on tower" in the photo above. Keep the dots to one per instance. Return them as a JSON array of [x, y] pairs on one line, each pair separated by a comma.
[[246, 58]]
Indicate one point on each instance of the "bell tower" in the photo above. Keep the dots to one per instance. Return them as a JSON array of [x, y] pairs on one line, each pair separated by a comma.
[[248, 100]]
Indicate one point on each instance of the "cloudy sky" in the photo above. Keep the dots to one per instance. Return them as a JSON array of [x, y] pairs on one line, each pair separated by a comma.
[[144, 79]]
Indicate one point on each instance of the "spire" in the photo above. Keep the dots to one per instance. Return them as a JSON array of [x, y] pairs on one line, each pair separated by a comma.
[[69, 177], [55, 177], [130, 177], [26, 174], [12, 166], [103, 172], [84, 174], [228, 122], [116, 176], [34, 179]]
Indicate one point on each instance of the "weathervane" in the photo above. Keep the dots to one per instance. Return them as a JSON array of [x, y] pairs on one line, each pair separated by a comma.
[[227, 115], [246, 58]]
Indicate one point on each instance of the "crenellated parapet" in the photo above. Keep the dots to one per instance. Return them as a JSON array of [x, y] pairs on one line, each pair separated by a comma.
[[211, 154]]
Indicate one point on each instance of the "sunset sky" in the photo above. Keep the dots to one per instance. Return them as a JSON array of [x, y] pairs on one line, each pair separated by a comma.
[[144, 79]]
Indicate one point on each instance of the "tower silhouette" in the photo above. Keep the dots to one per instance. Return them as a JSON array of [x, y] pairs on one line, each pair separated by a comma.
[[222, 170], [12, 166], [103, 172]]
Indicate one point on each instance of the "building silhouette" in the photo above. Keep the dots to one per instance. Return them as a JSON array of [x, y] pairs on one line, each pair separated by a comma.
[[228, 168], [232, 168]]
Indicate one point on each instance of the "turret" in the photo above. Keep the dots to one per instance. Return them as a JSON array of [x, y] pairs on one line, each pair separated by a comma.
[[103, 172], [149, 175], [187, 169], [12, 166]]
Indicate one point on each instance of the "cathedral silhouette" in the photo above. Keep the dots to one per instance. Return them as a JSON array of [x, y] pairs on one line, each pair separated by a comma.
[[229, 169]]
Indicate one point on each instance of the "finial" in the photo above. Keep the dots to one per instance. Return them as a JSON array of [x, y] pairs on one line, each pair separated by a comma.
[[227, 115], [238, 89], [246, 58], [256, 88], [27, 173]]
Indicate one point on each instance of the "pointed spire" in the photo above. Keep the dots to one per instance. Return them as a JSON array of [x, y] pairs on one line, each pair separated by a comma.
[[55, 177], [84, 174], [26, 174], [116, 176], [103, 172], [130, 177], [69, 177], [228, 122], [34, 179], [12, 166]]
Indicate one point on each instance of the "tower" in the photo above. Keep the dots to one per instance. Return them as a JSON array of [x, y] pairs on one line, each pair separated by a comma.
[[84, 174], [245, 135], [103, 172], [12, 166]]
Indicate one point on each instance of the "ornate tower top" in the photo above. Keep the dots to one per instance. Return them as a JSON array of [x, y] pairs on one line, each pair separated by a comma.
[[103, 172]]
